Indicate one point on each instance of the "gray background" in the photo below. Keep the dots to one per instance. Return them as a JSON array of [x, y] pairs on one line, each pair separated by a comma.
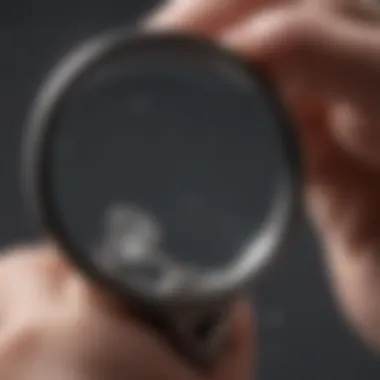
[[301, 334]]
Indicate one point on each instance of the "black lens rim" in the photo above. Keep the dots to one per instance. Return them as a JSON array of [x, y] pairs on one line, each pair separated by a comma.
[[45, 114]]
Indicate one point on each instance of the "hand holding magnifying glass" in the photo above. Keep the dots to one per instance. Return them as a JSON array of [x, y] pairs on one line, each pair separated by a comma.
[[362, 180]]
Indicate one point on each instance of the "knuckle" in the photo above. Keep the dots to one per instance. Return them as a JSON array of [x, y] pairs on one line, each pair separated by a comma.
[[291, 34]]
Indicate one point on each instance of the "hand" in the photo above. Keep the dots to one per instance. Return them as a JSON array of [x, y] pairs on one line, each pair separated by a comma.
[[56, 326], [324, 56]]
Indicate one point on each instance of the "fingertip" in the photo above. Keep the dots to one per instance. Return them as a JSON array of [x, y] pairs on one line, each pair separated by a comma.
[[163, 16], [176, 15], [34, 252], [204, 17], [33, 258], [356, 132]]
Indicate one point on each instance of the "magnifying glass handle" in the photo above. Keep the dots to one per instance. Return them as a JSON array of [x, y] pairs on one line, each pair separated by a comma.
[[198, 335]]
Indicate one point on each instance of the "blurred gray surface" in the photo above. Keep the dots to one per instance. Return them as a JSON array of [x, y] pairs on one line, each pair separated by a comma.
[[301, 335]]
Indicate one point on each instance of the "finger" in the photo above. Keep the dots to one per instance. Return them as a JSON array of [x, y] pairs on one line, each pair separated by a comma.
[[31, 282], [200, 16], [367, 11], [328, 53], [27, 272], [355, 276], [338, 60], [357, 131], [343, 197]]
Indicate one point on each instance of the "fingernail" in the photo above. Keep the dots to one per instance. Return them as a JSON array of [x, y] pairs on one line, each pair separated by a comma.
[[190, 16], [164, 16]]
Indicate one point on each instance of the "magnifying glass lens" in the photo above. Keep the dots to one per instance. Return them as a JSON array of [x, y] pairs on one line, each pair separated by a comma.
[[165, 154]]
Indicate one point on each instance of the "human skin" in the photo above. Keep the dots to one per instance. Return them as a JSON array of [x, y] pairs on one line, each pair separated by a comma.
[[324, 57]]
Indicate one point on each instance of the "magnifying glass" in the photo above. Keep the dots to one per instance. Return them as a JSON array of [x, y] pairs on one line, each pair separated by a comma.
[[167, 171]]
